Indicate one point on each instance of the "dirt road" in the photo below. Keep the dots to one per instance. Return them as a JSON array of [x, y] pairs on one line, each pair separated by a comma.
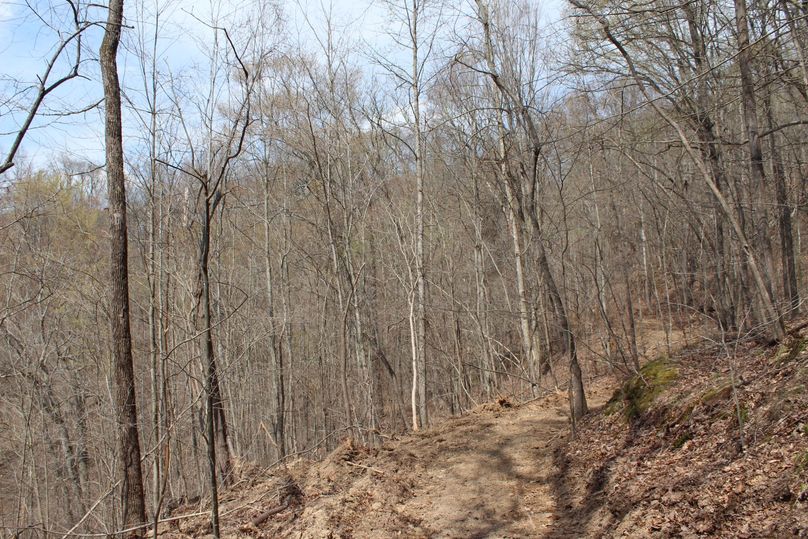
[[486, 474]]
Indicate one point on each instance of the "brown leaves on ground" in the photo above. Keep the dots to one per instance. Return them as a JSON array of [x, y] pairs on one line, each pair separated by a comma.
[[719, 454]]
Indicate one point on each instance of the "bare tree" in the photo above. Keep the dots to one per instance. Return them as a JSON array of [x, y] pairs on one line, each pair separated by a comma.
[[133, 498], [419, 29], [522, 201], [49, 80]]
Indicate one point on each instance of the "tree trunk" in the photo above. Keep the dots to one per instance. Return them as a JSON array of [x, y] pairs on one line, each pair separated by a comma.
[[788, 260], [487, 377], [578, 406], [516, 218], [758, 174], [578, 401], [705, 130], [275, 347], [420, 269], [219, 458], [132, 494]]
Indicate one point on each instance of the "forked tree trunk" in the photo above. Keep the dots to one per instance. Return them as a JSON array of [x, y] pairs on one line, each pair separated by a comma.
[[218, 445], [578, 406], [516, 218], [755, 151]]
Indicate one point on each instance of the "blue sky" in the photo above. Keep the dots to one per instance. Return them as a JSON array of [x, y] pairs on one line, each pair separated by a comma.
[[26, 41], [28, 37]]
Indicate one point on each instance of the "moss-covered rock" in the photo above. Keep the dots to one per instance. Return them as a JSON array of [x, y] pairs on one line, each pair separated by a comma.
[[789, 351], [801, 462], [717, 394], [682, 439], [640, 391]]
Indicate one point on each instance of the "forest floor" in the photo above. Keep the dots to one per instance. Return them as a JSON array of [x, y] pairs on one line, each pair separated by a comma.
[[663, 457]]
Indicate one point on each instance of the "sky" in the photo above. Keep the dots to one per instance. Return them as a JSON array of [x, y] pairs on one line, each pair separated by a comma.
[[29, 31]]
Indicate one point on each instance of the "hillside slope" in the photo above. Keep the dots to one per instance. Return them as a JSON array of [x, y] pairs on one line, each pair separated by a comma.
[[664, 457], [713, 443]]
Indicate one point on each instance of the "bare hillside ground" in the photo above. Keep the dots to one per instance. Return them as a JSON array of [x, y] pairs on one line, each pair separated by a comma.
[[662, 455]]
